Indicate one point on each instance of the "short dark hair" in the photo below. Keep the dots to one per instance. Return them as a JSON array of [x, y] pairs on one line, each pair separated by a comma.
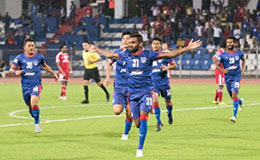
[[138, 36], [62, 45], [28, 40], [157, 39], [232, 37], [126, 33]]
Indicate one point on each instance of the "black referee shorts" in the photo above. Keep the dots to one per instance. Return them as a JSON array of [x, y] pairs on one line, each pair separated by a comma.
[[91, 73]]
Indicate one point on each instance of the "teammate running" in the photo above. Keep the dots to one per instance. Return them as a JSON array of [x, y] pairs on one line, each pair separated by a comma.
[[28, 66], [120, 96]]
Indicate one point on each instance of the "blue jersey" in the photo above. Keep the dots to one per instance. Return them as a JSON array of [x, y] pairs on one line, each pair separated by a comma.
[[120, 77], [31, 66], [159, 77], [139, 70], [231, 61]]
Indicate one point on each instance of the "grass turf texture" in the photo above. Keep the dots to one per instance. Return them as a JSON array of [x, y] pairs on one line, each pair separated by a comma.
[[195, 134]]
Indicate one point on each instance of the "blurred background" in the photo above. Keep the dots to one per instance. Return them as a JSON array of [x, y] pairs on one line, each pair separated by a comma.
[[52, 22]]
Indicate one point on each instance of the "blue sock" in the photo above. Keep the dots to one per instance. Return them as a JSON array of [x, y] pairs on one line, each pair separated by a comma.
[[142, 131], [169, 110], [157, 113], [235, 106], [36, 115], [128, 124], [240, 101]]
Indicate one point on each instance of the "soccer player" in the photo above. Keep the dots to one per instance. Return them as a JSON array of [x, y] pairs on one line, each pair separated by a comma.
[[138, 64], [62, 61], [120, 96], [231, 62], [160, 81], [90, 59], [28, 66], [219, 76]]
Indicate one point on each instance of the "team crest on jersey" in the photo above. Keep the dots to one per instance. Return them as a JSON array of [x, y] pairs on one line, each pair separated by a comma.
[[35, 62], [143, 59], [236, 57]]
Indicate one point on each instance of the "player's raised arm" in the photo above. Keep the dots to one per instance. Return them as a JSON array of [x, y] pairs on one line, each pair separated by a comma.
[[105, 53], [48, 69], [177, 52]]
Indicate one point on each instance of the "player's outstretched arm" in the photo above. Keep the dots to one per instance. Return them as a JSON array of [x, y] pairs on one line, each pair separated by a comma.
[[174, 53], [14, 70], [94, 61], [106, 53], [48, 69]]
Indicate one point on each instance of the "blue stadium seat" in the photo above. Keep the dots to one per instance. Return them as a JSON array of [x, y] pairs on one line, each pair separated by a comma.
[[205, 67], [52, 24], [192, 62], [197, 56], [186, 56], [186, 67], [205, 56], [196, 67]]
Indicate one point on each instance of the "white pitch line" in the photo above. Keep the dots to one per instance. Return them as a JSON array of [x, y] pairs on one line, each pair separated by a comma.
[[106, 116], [12, 114]]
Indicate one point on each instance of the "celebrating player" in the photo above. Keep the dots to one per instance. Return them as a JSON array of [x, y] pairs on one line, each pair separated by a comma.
[[231, 62], [219, 76], [90, 59], [161, 84], [120, 96], [138, 63], [62, 60], [28, 65]]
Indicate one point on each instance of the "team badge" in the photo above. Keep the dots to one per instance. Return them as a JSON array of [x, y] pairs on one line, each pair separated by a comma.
[[35, 62], [237, 58], [143, 59]]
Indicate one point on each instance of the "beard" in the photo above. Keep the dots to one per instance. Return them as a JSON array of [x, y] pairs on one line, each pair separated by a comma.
[[230, 48], [133, 50]]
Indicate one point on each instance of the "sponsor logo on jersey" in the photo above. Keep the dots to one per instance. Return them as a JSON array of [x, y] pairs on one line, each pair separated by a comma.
[[232, 67], [29, 74], [134, 73], [123, 70], [156, 70]]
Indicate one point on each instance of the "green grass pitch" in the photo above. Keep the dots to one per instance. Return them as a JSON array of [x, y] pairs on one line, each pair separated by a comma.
[[73, 131]]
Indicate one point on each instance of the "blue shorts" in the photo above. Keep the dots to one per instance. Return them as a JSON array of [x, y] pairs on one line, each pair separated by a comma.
[[140, 102], [120, 96], [233, 86], [27, 93], [164, 91]]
